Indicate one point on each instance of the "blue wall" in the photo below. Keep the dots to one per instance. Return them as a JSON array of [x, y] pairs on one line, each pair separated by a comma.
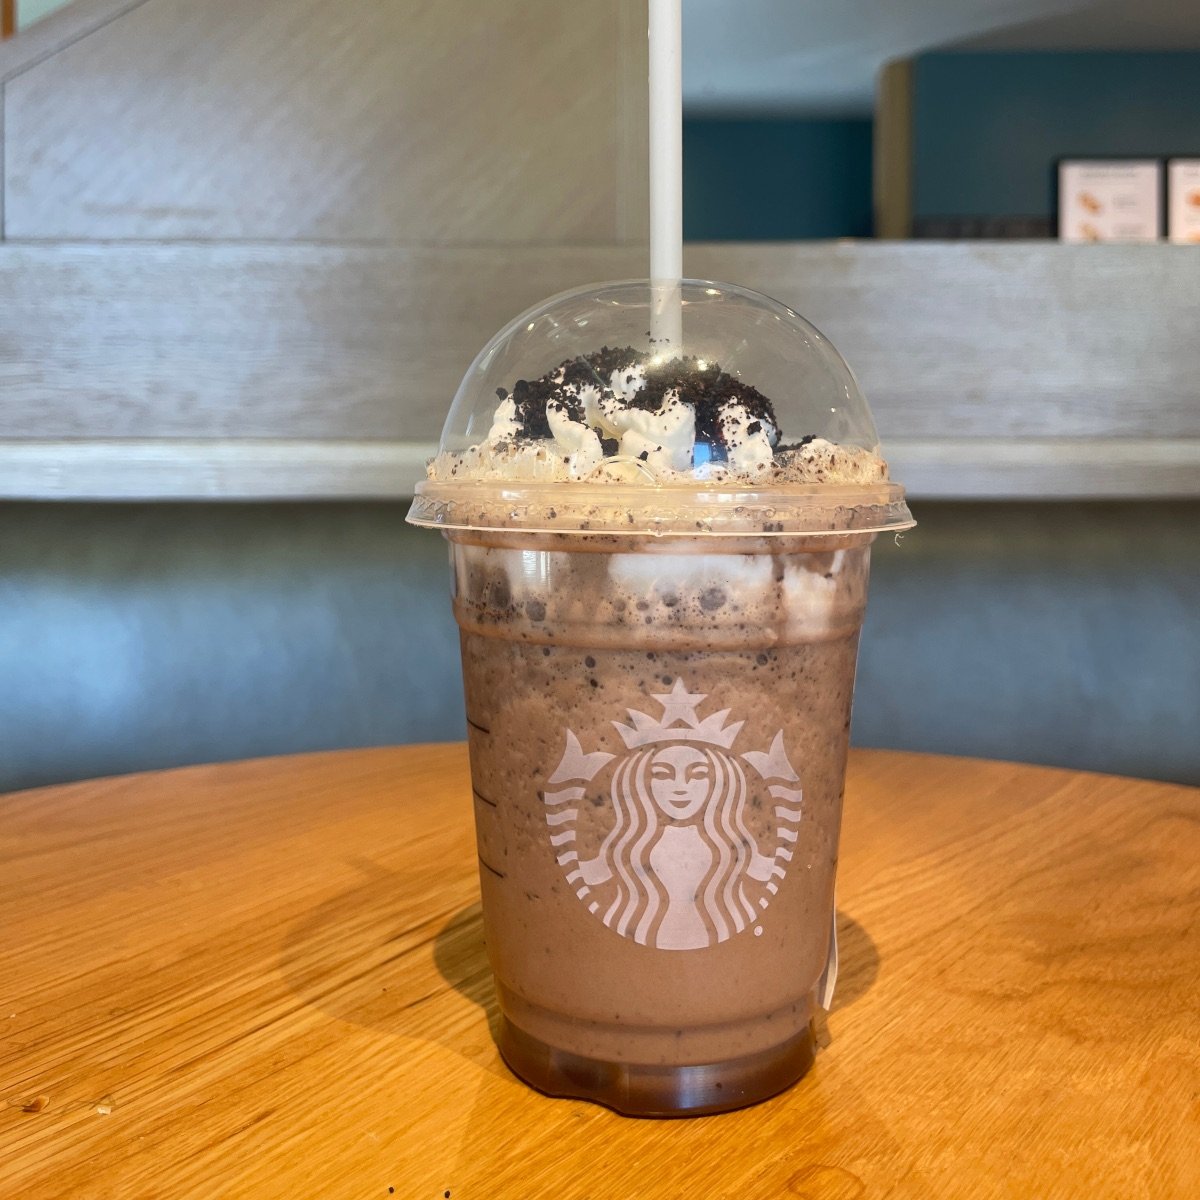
[[776, 180], [988, 127], [144, 635]]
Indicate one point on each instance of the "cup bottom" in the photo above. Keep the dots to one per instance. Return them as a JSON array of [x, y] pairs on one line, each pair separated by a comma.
[[657, 1091]]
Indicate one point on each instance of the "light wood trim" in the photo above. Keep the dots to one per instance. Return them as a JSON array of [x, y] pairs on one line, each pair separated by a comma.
[[365, 343], [8, 18], [997, 340], [210, 470], [261, 341], [894, 148], [369, 120], [630, 76], [1046, 468], [972, 468], [269, 980]]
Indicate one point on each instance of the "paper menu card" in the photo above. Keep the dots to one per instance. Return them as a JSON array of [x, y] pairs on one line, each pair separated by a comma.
[[1118, 200], [1183, 200]]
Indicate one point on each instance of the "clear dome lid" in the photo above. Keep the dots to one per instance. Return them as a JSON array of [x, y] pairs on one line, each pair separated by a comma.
[[740, 417]]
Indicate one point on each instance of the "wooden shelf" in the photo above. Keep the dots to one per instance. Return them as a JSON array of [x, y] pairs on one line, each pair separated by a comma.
[[283, 302], [167, 469], [242, 370]]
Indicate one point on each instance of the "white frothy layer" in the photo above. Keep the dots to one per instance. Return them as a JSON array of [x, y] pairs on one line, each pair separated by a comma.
[[505, 425], [645, 574], [663, 439], [657, 444], [750, 440], [572, 456], [807, 599], [811, 597]]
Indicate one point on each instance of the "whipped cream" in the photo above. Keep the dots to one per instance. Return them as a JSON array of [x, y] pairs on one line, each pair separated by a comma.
[[798, 596], [505, 425], [619, 416], [663, 438]]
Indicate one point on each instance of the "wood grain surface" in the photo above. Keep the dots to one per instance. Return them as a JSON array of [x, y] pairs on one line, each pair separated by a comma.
[[297, 469], [267, 979], [245, 230], [364, 342], [364, 119], [57, 30]]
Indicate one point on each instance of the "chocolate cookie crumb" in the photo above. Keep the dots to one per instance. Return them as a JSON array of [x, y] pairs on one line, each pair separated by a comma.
[[686, 379]]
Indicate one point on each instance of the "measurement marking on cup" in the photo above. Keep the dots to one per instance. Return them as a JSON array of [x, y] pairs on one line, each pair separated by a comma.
[[488, 865], [479, 796], [476, 725]]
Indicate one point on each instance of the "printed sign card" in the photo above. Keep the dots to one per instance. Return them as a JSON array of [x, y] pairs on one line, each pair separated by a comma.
[[1183, 201], [1109, 200]]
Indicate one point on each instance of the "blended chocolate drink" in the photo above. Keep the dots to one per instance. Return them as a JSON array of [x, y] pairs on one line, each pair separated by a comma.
[[658, 661]]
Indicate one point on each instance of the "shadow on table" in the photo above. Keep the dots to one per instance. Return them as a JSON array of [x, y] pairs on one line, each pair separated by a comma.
[[795, 1167], [461, 957], [371, 957], [366, 957], [858, 963]]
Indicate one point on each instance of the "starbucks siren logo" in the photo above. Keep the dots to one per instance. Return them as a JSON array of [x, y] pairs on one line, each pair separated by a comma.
[[678, 868]]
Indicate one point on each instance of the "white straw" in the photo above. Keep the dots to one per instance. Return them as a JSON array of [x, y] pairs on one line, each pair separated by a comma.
[[666, 174]]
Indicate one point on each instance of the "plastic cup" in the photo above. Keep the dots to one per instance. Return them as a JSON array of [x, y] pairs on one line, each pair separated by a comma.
[[658, 677]]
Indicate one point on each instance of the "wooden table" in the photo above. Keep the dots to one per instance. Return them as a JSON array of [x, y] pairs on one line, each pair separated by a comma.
[[266, 979]]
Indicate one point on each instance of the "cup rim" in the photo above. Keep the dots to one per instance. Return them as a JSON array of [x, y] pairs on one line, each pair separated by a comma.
[[661, 510]]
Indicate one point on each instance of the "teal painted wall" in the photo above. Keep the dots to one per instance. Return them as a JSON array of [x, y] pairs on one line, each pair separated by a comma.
[[143, 636], [29, 11], [988, 127], [776, 180], [140, 636]]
